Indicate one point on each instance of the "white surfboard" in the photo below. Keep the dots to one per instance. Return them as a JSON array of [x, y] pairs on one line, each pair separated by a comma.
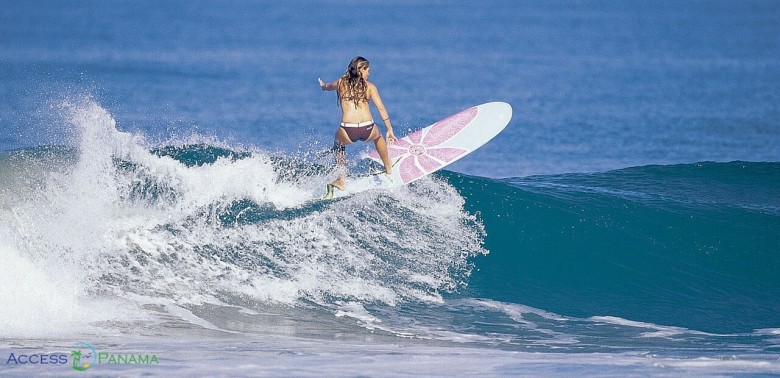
[[434, 147]]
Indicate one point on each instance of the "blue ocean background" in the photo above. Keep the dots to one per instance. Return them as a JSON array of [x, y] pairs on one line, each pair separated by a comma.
[[162, 164]]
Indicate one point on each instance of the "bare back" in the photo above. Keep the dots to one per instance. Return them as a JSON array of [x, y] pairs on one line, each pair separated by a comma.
[[360, 112]]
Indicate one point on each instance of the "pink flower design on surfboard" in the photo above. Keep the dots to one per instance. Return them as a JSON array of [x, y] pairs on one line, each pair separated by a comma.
[[421, 153]]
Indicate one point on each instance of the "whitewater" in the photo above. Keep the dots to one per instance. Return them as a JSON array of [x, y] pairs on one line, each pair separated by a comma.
[[162, 167], [131, 245]]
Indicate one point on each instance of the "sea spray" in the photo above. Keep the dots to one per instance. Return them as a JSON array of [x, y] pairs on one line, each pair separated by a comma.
[[123, 222]]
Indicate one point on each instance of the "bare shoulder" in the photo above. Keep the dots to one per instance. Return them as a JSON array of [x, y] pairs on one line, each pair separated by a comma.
[[372, 88]]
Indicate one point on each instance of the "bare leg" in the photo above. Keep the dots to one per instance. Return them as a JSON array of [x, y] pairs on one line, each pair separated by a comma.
[[381, 148], [341, 158]]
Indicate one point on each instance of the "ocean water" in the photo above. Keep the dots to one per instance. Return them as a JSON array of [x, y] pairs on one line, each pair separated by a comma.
[[161, 166]]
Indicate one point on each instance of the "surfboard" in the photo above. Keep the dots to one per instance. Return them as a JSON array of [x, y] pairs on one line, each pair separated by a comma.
[[434, 147]]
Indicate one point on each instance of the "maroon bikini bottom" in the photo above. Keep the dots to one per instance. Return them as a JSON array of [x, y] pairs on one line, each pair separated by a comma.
[[359, 133]]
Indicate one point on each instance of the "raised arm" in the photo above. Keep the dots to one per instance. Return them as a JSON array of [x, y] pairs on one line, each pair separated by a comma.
[[332, 86]]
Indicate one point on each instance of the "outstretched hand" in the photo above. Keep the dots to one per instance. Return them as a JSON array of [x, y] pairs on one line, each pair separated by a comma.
[[322, 84]]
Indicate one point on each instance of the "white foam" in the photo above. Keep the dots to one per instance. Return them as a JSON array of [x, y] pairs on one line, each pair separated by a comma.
[[768, 331], [190, 318], [659, 330], [36, 303], [515, 311], [88, 229], [357, 311], [288, 356], [33, 303]]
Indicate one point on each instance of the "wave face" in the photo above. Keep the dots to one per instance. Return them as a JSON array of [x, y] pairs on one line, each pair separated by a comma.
[[692, 245], [114, 232], [191, 224]]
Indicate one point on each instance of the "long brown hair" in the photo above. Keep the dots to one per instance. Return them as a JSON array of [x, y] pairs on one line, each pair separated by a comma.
[[352, 86]]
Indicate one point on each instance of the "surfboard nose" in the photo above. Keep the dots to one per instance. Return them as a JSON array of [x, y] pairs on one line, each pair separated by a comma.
[[501, 110]]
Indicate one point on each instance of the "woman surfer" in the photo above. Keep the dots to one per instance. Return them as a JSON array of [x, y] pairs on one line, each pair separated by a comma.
[[354, 93]]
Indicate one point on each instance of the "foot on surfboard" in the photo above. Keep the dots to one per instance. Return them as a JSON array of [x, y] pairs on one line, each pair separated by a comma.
[[329, 193]]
